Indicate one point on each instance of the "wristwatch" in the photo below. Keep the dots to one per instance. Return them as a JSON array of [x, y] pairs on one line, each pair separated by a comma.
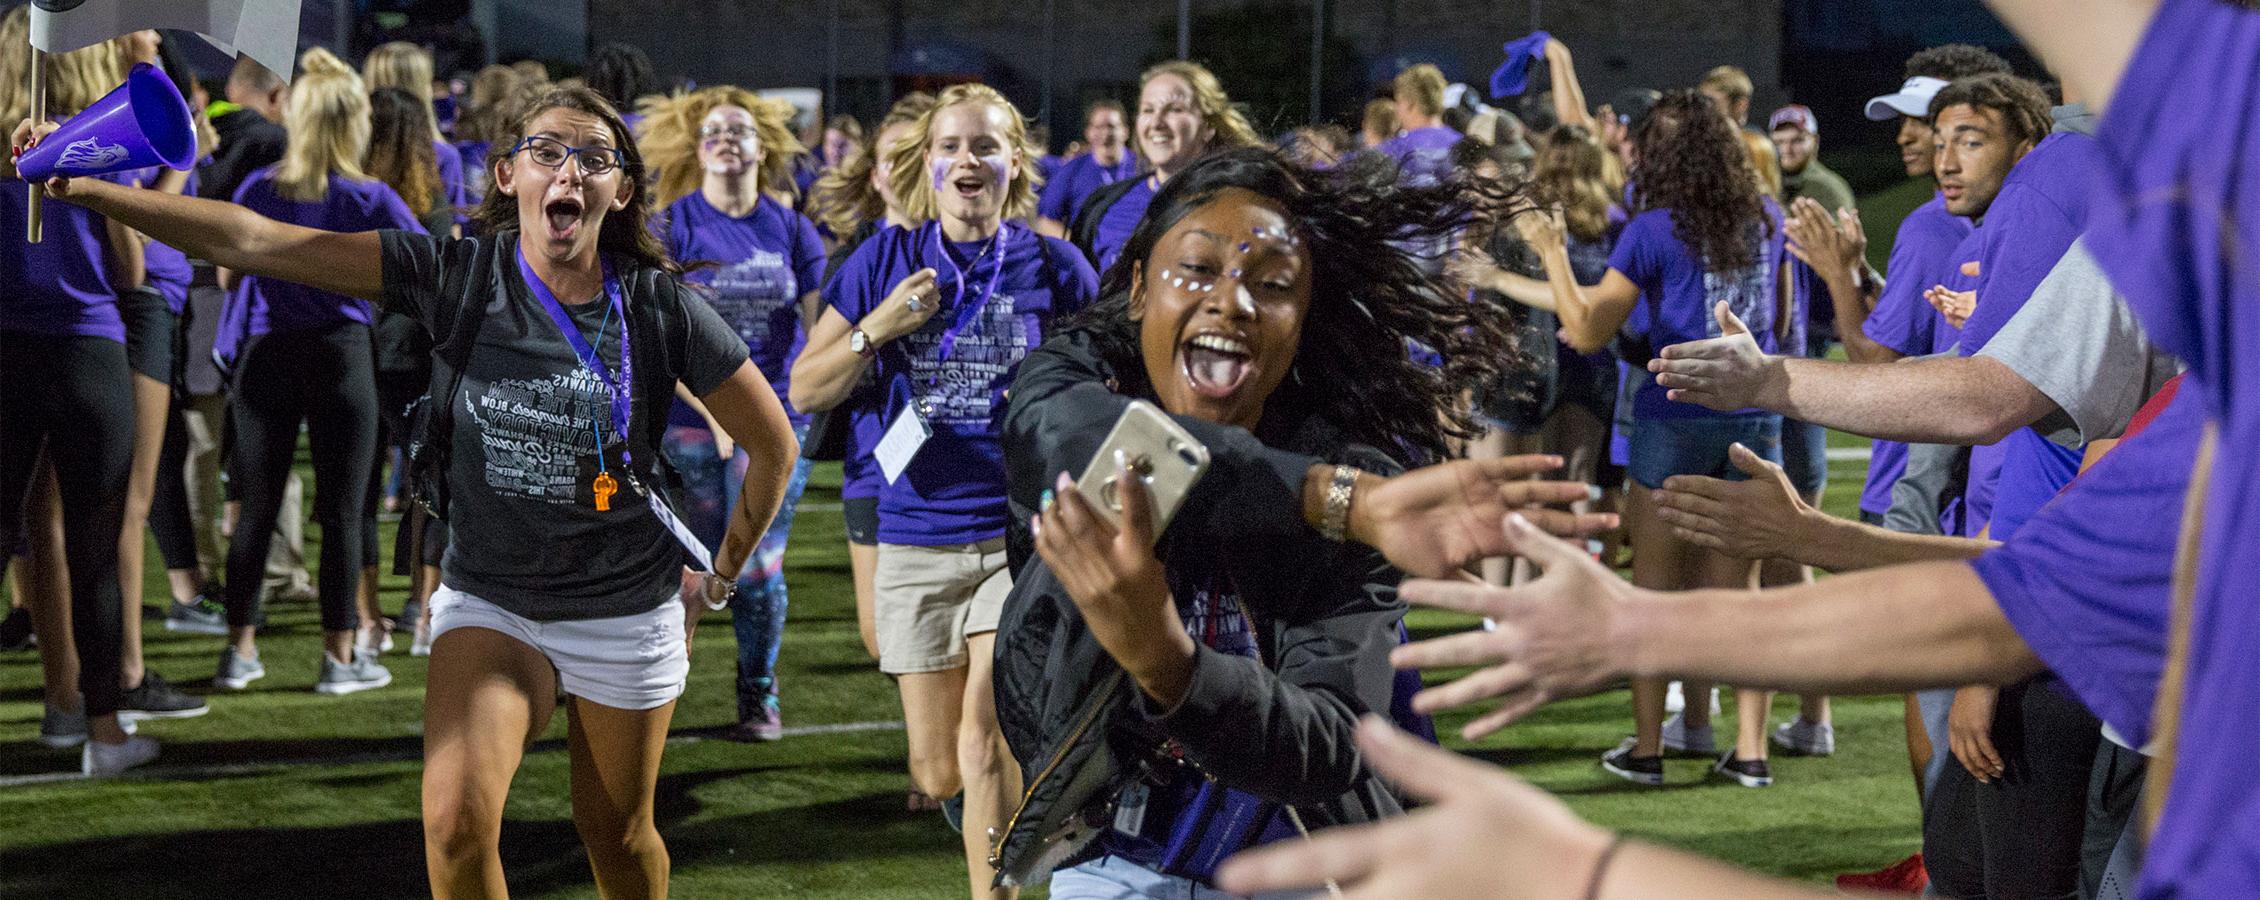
[[860, 342]]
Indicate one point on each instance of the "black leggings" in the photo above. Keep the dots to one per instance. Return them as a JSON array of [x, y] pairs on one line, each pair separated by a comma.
[[169, 518], [2019, 837], [322, 377], [74, 396]]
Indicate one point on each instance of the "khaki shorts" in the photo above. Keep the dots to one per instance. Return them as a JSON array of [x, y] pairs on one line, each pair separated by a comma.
[[930, 599]]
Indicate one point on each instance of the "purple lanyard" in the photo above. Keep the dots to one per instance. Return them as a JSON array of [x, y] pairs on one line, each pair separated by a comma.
[[589, 359], [968, 311]]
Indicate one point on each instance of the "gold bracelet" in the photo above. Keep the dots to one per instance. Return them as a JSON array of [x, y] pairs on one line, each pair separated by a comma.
[[1334, 525]]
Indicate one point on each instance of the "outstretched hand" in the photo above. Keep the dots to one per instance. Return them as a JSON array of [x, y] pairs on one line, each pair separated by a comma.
[[1483, 833], [1724, 373], [1435, 520], [1759, 518], [1554, 638]]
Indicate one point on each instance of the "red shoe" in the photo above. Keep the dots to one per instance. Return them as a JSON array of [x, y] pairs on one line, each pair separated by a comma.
[[1906, 876]]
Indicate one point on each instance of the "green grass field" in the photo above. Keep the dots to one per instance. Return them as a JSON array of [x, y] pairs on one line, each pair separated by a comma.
[[280, 792]]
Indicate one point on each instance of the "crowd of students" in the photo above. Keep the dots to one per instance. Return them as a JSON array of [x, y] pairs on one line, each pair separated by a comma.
[[599, 330]]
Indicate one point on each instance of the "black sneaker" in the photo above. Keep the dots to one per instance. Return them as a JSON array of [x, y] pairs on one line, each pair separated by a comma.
[[156, 699], [200, 615], [15, 631], [1648, 770], [1747, 772]]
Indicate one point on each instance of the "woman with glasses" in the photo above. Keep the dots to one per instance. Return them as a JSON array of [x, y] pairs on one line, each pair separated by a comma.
[[766, 281], [303, 355], [572, 328]]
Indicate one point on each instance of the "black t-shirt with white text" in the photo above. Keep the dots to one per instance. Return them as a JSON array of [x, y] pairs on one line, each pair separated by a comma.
[[525, 531]]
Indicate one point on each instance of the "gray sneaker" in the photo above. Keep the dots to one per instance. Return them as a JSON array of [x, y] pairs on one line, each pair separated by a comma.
[[200, 615], [64, 730], [236, 672], [362, 674], [1805, 738]]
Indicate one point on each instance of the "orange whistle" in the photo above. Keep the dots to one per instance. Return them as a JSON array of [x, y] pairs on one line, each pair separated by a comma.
[[604, 487]]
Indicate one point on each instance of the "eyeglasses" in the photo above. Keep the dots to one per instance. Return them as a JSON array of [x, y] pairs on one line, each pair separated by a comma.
[[551, 153], [730, 132]]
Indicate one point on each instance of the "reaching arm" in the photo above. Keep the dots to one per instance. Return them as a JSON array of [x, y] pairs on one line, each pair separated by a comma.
[[1569, 94], [2086, 43], [1762, 517], [1590, 316], [237, 238], [747, 410]]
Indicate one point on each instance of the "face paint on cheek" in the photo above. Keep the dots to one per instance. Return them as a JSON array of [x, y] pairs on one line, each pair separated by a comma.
[[941, 173], [997, 164]]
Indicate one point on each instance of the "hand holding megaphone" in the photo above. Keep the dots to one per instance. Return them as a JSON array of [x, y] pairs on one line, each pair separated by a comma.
[[143, 123]]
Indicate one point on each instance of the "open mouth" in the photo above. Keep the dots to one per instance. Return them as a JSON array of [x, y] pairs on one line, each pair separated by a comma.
[[564, 217], [1951, 190], [1215, 365], [969, 186]]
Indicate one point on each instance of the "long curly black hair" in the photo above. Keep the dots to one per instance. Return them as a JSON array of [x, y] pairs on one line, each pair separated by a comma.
[[1370, 298], [1689, 161]]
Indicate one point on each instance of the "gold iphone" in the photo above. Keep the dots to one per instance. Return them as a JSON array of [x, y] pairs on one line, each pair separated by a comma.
[[1159, 451]]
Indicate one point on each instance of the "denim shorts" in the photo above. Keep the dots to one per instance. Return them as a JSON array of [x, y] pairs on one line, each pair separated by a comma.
[[1804, 453], [1698, 445]]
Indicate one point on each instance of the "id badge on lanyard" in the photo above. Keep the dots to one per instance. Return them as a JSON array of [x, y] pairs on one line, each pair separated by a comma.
[[911, 429], [604, 485]]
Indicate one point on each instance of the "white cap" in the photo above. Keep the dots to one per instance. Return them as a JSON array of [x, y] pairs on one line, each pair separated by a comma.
[[1913, 99]]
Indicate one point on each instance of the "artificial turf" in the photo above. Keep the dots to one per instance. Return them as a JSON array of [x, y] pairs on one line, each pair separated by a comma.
[[280, 792]]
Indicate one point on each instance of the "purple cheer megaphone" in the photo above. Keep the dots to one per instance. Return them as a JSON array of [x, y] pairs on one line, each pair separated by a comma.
[[143, 123]]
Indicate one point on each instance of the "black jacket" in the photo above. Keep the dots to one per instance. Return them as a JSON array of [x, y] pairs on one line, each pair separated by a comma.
[[248, 143], [1325, 615]]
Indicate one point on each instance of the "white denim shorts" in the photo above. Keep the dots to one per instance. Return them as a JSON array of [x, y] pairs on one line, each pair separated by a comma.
[[633, 662]]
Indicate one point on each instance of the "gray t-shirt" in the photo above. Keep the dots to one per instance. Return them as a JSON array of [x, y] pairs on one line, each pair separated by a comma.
[[525, 533], [2078, 343]]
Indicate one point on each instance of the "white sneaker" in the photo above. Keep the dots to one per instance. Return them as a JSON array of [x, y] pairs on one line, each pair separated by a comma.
[[237, 672], [1675, 699], [421, 644], [373, 640], [362, 674], [1805, 738], [98, 759], [1697, 741]]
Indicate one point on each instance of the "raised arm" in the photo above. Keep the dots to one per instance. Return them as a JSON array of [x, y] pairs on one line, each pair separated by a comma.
[[236, 238], [2086, 43], [1569, 94], [828, 367]]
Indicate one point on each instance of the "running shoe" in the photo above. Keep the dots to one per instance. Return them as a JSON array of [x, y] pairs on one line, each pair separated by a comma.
[[362, 674], [200, 615], [1751, 773], [764, 724], [1648, 770], [155, 698], [64, 730], [97, 759], [1805, 738], [1696, 741], [236, 672]]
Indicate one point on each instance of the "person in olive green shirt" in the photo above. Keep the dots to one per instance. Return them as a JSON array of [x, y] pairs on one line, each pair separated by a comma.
[[1797, 134]]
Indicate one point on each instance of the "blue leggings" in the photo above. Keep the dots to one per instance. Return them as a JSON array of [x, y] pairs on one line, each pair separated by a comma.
[[757, 607]]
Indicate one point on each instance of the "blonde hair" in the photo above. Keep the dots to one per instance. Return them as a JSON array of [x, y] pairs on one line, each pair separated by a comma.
[[1764, 160], [1228, 126], [1730, 81], [1575, 172], [402, 65], [74, 80], [668, 136], [1380, 117], [1422, 86], [328, 121], [843, 199], [907, 158]]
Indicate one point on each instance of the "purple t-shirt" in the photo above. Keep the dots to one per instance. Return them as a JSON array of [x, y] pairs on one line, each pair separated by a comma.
[[450, 173], [1424, 155], [2175, 229], [1679, 290], [955, 369], [1121, 219], [1921, 256], [765, 260], [1066, 190], [471, 160], [260, 305], [61, 285], [2042, 208]]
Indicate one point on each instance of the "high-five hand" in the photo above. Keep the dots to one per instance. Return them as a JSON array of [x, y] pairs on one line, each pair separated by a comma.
[[1724, 373]]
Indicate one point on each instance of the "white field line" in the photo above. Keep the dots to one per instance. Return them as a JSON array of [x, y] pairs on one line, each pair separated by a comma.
[[164, 772]]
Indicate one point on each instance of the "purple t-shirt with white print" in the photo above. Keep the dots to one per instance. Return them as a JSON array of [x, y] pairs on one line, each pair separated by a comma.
[[2177, 227], [956, 367], [1678, 290], [1905, 322], [764, 261]]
